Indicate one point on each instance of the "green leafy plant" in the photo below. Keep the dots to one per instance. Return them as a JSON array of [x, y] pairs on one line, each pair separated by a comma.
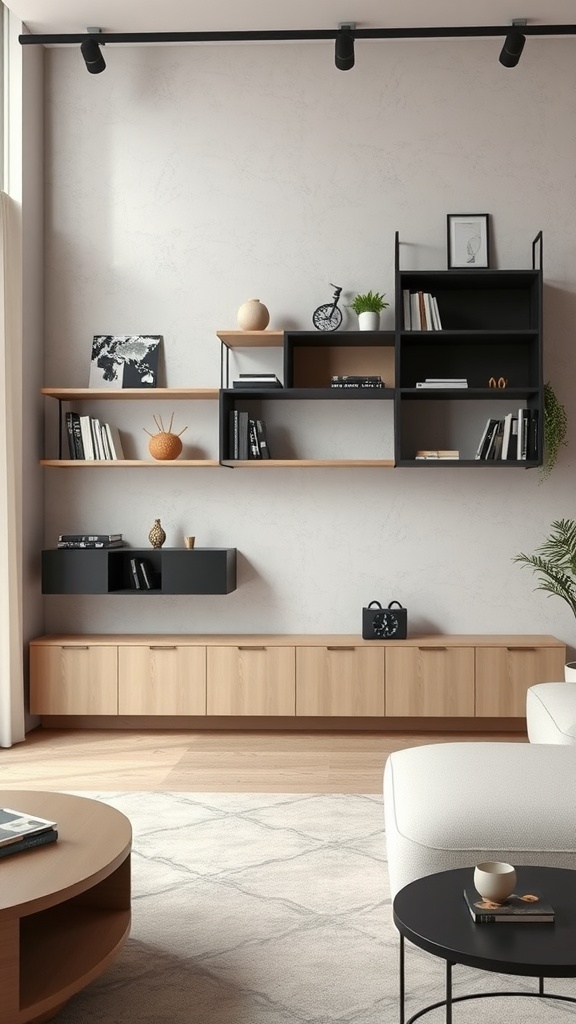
[[554, 562], [555, 429], [370, 302]]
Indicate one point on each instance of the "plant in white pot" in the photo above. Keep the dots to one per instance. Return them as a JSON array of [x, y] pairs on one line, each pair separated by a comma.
[[554, 564], [368, 306]]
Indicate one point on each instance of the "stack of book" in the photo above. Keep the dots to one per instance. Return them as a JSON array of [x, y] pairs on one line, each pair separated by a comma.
[[512, 437], [437, 453], [90, 540], [443, 382], [256, 381], [91, 440], [22, 831], [352, 381], [421, 312], [248, 437], [142, 575]]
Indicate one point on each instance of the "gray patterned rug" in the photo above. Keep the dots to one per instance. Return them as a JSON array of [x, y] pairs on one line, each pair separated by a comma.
[[271, 909]]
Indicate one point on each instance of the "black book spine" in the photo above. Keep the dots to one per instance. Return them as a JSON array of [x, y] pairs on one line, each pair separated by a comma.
[[70, 435], [78, 436], [262, 439], [135, 575], [145, 572]]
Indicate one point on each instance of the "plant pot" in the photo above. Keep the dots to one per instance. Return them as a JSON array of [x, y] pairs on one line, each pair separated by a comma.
[[570, 672], [368, 321]]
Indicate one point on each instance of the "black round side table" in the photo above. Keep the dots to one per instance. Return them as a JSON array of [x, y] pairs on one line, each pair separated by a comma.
[[432, 914]]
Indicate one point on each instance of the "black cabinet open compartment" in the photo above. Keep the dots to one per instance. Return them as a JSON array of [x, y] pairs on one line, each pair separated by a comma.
[[312, 358]]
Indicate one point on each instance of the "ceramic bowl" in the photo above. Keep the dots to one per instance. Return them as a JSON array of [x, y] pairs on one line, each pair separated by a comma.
[[495, 880]]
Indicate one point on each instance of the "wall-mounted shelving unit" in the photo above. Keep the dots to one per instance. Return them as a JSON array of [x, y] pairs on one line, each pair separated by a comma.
[[491, 328], [107, 570]]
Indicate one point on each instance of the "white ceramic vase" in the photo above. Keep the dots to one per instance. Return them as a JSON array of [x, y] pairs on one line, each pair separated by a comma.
[[570, 672], [495, 880], [368, 321], [253, 316]]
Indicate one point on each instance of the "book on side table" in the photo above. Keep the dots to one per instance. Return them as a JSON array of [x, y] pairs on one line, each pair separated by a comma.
[[21, 831], [519, 908]]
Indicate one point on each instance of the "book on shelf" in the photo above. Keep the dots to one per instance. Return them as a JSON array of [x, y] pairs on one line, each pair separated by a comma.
[[519, 908], [135, 578], [243, 449], [523, 428], [101, 537], [486, 437], [15, 826], [437, 453], [30, 842], [254, 452], [96, 439], [262, 439], [147, 574], [350, 380], [86, 431], [233, 439], [447, 384], [506, 436], [532, 442], [407, 310], [251, 380], [90, 544], [114, 441]]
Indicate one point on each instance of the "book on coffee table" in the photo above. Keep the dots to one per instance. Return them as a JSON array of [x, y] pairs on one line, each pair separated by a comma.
[[29, 842], [18, 826], [525, 907]]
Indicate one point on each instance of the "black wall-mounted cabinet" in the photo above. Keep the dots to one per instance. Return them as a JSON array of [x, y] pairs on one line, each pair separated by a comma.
[[108, 570]]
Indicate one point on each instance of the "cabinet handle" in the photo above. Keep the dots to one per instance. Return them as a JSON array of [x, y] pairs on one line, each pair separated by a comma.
[[432, 648], [163, 647], [251, 648], [340, 648], [521, 648], [75, 647]]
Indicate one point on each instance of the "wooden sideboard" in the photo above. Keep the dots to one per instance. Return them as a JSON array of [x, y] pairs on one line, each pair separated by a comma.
[[292, 676]]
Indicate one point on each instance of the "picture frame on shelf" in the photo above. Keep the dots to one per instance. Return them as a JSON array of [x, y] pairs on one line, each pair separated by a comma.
[[468, 241], [124, 361]]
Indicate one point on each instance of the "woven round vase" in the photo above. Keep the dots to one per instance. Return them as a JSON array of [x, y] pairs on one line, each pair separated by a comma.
[[165, 446], [157, 535], [253, 316]]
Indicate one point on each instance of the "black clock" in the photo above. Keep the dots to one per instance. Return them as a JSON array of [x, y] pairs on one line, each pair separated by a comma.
[[380, 623]]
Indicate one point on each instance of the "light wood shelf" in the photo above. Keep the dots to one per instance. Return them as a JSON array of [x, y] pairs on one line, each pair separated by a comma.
[[121, 394], [125, 463], [251, 339]]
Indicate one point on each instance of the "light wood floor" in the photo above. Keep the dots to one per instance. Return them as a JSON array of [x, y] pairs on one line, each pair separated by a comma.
[[210, 761]]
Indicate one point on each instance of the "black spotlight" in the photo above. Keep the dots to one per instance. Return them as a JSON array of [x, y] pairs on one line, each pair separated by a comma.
[[92, 54], [512, 49], [344, 49]]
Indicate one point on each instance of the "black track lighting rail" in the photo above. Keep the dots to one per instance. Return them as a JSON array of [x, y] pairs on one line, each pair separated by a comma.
[[452, 32]]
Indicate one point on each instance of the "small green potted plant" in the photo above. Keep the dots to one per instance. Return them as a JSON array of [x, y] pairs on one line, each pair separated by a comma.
[[554, 565], [368, 306], [555, 429]]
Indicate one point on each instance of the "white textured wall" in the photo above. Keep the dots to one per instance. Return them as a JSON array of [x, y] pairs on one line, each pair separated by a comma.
[[183, 181]]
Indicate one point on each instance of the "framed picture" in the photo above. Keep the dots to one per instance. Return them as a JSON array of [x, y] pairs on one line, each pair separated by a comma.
[[468, 240], [124, 361]]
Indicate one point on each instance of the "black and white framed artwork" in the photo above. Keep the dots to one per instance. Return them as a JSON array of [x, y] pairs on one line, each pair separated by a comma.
[[124, 360], [468, 240]]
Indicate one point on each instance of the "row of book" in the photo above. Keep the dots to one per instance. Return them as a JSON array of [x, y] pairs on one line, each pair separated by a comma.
[[350, 380], [91, 440], [421, 311], [21, 831], [248, 437], [513, 437], [90, 540], [143, 575]]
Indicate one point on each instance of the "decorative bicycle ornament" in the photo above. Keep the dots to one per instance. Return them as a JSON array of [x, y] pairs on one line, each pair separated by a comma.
[[329, 316]]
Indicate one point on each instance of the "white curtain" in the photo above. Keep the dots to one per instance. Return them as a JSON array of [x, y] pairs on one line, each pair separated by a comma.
[[11, 640]]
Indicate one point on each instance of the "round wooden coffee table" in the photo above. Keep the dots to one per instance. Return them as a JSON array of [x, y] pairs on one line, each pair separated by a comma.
[[64, 907], [432, 914]]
